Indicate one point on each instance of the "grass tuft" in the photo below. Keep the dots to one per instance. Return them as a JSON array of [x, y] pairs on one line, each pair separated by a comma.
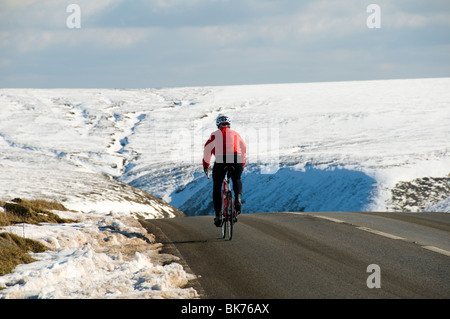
[[35, 211], [14, 250]]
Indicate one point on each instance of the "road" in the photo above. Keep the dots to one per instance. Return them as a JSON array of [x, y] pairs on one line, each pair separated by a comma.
[[314, 255]]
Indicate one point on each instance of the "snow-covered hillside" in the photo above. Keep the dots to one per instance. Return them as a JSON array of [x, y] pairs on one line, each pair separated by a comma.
[[315, 146], [104, 153]]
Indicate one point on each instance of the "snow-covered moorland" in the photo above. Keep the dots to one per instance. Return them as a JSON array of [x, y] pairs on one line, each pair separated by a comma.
[[372, 145]]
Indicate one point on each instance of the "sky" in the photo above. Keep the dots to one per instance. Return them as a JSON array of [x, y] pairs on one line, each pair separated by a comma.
[[175, 43]]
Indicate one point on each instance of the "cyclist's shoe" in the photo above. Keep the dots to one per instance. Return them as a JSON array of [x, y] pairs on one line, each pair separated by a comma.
[[238, 204], [218, 221]]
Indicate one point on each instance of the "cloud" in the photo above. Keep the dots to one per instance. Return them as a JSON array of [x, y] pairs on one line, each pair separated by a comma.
[[221, 41], [47, 14], [411, 20]]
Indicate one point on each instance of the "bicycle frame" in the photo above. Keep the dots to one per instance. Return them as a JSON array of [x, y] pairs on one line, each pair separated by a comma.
[[226, 187], [228, 210]]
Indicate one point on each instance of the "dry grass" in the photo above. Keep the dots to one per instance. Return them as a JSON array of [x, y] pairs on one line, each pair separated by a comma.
[[14, 249], [31, 212]]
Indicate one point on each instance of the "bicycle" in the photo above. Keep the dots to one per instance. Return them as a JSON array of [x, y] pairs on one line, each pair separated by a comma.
[[229, 214], [228, 210]]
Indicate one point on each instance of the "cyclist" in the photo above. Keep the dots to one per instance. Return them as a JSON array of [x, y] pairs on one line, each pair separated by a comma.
[[229, 149]]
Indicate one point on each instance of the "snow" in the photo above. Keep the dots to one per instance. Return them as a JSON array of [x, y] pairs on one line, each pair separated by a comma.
[[377, 133], [101, 256], [102, 152], [442, 206]]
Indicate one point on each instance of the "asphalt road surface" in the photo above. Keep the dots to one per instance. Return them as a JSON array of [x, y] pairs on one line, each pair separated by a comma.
[[314, 255]]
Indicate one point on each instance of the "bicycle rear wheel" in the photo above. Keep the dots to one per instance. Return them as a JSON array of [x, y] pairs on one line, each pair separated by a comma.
[[224, 216], [228, 217], [224, 225]]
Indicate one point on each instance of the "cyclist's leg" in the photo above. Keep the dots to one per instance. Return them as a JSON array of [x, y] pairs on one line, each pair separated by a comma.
[[237, 185], [218, 176]]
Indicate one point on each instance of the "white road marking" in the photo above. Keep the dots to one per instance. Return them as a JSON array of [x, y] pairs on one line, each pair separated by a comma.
[[438, 250], [373, 231], [370, 230], [330, 219]]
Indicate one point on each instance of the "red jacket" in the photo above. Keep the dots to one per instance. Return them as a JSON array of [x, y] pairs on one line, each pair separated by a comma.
[[224, 141]]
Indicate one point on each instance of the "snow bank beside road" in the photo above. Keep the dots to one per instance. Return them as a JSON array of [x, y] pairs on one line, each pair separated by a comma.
[[98, 257]]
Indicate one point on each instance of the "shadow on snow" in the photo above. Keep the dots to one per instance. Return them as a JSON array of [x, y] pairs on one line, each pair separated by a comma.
[[309, 189]]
